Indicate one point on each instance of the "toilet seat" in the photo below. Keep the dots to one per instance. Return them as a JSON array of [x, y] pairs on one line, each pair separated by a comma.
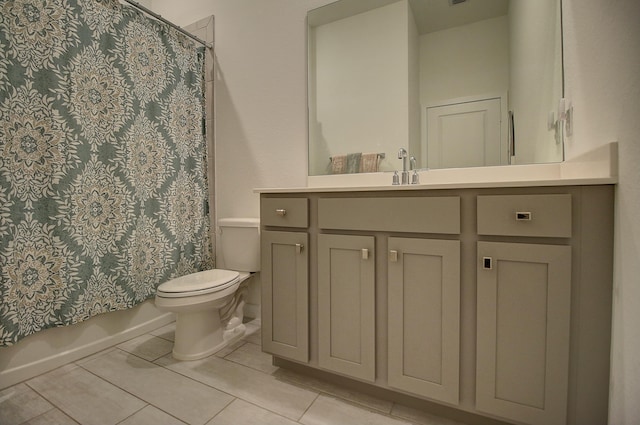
[[201, 283]]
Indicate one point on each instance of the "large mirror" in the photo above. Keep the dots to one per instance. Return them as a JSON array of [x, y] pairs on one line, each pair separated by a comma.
[[454, 83]]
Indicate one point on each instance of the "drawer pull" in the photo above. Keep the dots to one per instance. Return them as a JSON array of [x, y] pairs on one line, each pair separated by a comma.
[[393, 256], [299, 248], [523, 216], [365, 254], [281, 212]]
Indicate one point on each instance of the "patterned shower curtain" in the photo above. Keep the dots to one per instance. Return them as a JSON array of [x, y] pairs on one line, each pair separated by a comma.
[[103, 188]]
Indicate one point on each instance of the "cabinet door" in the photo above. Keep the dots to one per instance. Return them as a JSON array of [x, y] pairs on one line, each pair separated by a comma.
[[346, 305], [524, 297], [285, 294], [424, 317]]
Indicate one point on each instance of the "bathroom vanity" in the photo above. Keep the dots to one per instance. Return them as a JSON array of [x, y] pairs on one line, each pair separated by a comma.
[[488, 304]]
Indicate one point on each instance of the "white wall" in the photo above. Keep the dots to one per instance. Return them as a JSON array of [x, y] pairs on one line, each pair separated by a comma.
[[260, 94], [364, 107], [535, 78], [261, 125], [602, 71], [464, 61]]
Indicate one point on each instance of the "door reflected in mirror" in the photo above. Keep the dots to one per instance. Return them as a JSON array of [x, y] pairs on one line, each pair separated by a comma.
[[472, 84]]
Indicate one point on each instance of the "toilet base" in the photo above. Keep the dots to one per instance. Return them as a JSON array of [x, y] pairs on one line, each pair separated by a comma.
[[200, 334]]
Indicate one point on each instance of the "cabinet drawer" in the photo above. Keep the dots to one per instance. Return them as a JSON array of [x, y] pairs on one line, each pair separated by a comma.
[[525, 215], [403, 214], [284, 212]]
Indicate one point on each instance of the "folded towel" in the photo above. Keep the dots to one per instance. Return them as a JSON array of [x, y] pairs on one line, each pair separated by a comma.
[[338, 164], [356, 162], [369, 162], [353, 162]]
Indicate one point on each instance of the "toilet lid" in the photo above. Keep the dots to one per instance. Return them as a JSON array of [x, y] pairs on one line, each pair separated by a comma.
[[199, 283]]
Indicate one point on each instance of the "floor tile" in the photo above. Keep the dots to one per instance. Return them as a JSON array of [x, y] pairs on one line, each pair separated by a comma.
[[52, 417], [20, 403], [186, 399], [230, 348], [149, 347], [245, 383], [319, 385], [117, 386], [330, 411], [420, 417], [167, 332], [253, 335], [251, 355], [241, 412], [93, 356], [150, 415], [85, 397]]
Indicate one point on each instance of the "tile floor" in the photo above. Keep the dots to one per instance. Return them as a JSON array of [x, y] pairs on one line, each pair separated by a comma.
[[139, 383]]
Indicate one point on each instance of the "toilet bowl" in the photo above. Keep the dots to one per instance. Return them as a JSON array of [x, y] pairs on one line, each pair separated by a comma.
[[208, 305]]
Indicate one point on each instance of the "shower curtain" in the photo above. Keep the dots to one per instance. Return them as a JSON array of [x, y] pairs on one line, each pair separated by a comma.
[[103, 180]]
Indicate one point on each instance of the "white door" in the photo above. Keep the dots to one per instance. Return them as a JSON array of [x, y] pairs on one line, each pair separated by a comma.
[[464, 134]]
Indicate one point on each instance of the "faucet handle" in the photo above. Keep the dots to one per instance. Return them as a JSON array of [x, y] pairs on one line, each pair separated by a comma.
[[415, 178], [396, 178]]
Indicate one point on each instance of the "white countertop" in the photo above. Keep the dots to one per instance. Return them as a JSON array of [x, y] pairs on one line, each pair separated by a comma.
[[599, 166]]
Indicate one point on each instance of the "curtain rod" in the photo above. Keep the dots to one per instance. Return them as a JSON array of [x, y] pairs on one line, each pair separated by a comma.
[[171, 24]]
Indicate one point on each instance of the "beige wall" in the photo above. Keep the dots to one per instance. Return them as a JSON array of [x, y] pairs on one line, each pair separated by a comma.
[[261, 125]]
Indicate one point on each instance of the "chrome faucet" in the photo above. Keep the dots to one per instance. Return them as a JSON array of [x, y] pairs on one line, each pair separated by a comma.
[[412, 165], [402, 154]]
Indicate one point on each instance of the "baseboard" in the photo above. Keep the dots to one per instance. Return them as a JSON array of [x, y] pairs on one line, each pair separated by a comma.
[[52, 348]]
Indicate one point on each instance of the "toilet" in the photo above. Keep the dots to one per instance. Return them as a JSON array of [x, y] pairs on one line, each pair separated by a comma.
[[208, 305]]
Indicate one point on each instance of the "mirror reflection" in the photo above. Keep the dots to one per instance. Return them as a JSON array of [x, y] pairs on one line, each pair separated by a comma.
[[455, 83]]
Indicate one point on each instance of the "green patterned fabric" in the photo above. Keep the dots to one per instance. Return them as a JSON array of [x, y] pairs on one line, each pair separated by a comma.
[[103, 180]]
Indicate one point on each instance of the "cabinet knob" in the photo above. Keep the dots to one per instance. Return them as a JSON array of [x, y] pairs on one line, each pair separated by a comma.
[[281, 212], [365, 254], [487, 263], [299, 248], [523, 216], [393, 256]]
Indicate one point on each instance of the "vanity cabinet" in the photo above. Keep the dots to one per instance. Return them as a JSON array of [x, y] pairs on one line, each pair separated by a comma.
[[346, 305], [487, 305], [285, 279]]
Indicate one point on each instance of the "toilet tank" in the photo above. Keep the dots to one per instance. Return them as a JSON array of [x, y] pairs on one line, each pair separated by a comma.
[[240, 243]]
